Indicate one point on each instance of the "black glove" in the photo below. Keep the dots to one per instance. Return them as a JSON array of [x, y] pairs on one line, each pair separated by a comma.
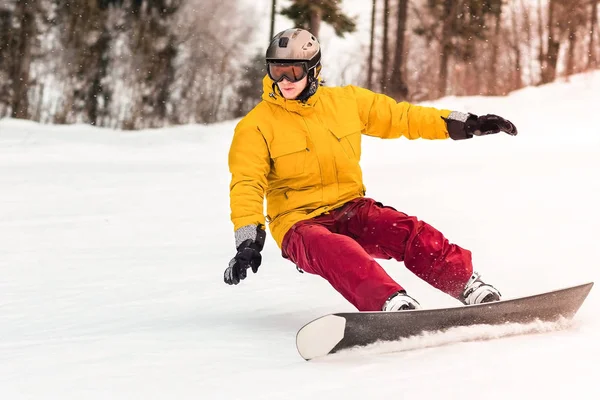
[[252, 239], [464, 126], [488, 124]]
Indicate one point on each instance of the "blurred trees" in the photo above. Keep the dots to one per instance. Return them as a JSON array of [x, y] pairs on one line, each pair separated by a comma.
[[249, 89], [148, 63], [122, 63], [19, 28], [308, 14], [457, 26], [471, 47], [83, 35], [155, 43], [566, 21]]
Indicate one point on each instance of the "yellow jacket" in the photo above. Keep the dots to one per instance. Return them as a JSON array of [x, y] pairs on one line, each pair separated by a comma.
[[305, 156]]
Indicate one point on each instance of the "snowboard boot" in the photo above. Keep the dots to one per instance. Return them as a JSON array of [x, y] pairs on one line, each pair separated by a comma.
[[400, 301], [477, 292]]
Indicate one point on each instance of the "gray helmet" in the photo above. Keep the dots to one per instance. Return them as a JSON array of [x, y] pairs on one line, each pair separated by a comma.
[[293, 45]]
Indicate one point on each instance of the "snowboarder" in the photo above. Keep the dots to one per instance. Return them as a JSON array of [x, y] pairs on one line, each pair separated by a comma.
[[301, 147]]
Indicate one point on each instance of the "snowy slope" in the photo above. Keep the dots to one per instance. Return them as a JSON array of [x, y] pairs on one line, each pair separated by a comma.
[[113, 245]]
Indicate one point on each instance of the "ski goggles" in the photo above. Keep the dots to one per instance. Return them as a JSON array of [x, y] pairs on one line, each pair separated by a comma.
[[293, 72]]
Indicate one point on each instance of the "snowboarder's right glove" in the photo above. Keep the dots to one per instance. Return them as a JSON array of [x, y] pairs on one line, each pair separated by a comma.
[[249, 241], [465, 126]]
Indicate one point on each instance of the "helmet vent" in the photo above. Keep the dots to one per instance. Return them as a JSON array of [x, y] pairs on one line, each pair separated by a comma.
[[283, 42]]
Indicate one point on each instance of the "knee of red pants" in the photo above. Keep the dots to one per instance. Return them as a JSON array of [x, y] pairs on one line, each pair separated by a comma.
[[343, 263], [440, 263], [385, 232], [294, 245], [381, 230]]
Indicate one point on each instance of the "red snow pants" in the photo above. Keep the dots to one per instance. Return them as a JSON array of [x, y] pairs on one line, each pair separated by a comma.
[[341, 245]]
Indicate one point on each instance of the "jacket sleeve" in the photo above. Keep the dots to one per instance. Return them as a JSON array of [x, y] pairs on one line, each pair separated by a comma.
[[249, 164], [388, 119]]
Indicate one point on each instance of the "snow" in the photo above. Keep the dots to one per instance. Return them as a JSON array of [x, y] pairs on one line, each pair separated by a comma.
[[113, 246]]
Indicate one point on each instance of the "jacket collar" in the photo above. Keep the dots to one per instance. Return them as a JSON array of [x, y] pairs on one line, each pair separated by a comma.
[[272, 95]]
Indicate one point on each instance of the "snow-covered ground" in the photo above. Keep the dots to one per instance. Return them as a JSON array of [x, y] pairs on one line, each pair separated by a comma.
[[113, 245]]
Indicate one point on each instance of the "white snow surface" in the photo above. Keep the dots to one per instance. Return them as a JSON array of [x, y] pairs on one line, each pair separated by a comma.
[[113, 246]]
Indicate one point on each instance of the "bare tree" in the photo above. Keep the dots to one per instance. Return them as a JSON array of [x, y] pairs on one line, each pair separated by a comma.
[[549, 58], [592, 60], [371, 46], [26, 31], [273, 14], [572, 37], [526, 26], [565, 23], [155, 43], [449, 14], [517, 79], [6, 41], [212, 58], [398, 88], [493, 86], [85, 39], [383, 80]]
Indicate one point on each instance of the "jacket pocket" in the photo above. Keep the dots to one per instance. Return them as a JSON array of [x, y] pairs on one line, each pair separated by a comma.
[[289, 157], [349, 138]]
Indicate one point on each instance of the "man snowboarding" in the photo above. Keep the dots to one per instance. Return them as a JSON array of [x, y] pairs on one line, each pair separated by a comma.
[[301, 147]]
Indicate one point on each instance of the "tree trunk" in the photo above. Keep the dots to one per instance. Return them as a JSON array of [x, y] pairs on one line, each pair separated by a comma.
[[591, 63], [570, 68], [398, 88], [541, 51], [167, 77], [86, 40], [517, 81], [385, 57], [493, 88], [6, 38], [316, 15], [273, 13], [157, 47], [446, 44], [100, 69], [22, 59], [371, 47], [553, 47], [526, 25]]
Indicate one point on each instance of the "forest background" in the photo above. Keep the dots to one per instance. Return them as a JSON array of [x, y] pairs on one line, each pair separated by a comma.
[[133, 64]]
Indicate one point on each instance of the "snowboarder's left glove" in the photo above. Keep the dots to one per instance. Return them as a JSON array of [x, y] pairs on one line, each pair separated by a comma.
[[465, 126], [249, 241]]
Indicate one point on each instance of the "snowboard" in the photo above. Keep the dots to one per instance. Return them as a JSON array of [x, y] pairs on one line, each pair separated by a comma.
[[334, 332]]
